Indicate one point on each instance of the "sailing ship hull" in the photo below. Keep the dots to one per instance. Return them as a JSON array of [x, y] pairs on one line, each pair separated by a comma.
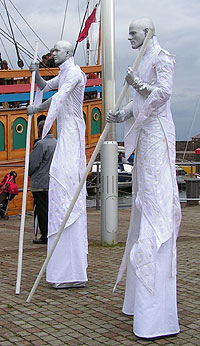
[[13, 123]]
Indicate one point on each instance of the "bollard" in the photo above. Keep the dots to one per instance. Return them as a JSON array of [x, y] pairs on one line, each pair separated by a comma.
[[192, 190], [197, 154]]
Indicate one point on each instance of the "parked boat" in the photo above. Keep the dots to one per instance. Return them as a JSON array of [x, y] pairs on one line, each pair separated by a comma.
[[14, 97], [124, 177]]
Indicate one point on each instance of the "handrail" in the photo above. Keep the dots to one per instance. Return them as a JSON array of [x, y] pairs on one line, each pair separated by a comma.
[[45, 72], [21, 88]]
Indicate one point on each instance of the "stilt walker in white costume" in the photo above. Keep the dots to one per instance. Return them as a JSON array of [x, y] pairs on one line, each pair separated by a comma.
[[68, 264], [150, 253]]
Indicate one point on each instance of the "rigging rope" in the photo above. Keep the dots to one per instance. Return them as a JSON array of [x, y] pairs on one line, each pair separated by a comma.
[[191, 127], [19, 62], [66, 6], [97, 5], [3, 43], [29, 25], [79, 16], [20, 33], [7, 28], [82, 25], [20, 47], [23, 49], [6, 52]]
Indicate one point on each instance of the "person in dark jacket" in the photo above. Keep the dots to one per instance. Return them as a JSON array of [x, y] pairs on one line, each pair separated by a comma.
[[39, 165]]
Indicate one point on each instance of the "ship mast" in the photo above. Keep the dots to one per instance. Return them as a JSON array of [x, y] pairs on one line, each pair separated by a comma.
[[89, 41]]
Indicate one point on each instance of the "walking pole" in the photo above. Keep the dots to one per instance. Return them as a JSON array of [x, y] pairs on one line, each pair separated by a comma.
[[28, 135], [92, 159]]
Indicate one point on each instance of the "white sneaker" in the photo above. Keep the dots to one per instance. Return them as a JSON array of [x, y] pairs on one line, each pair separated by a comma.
[[69, 284]]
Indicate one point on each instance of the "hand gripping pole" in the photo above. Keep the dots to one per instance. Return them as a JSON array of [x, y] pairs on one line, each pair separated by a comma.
[[89, 166], [28, 135]]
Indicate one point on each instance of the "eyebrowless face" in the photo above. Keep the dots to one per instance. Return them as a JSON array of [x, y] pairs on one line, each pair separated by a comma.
[[62, 51], [138, 30]]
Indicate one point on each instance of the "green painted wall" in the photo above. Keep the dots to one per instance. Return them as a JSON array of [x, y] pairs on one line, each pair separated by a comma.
[[84, 117], [19, 139], [2, 137], [95, 124]]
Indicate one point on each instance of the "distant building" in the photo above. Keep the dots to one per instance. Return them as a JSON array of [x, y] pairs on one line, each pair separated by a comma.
[[190, 148], [196, 139]]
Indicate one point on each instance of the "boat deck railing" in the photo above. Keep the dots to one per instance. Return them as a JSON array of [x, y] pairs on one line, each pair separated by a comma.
[[15, 85]]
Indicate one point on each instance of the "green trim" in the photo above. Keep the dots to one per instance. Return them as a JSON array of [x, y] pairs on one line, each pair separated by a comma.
[[2, 137], [19, 133], [95, 121], [84, 117]]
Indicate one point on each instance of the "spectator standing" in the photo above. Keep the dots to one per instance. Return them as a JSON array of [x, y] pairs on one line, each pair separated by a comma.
[[42, 63], [50, 60], [39, 165]]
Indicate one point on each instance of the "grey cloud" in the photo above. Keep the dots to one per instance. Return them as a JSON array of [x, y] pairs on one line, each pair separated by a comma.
[[177, 29]]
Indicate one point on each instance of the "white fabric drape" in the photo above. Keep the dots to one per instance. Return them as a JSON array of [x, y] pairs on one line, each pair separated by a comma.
[[67, 166], [156, 214]]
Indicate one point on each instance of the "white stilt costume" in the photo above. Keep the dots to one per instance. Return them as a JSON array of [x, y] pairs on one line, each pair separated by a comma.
[[68, 263], [69, 260], [150, 253]]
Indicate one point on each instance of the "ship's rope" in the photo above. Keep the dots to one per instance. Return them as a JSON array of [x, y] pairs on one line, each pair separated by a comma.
[[3, 43], [79, 16], [6, 53], [18, 43], [191, 127], [81, 28], [20, 47], [29, 25], [65, 13], [19, 62], [23, 49]]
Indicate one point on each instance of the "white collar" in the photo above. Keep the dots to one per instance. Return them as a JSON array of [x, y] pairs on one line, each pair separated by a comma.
[[152, 45], [67, 64]]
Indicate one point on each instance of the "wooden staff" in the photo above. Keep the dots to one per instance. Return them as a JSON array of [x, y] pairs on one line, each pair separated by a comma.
[[28, 135], [89, 166]]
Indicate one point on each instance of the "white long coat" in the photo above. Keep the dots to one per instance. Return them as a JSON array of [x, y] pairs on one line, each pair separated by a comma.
[[150, 254], [69, 260]]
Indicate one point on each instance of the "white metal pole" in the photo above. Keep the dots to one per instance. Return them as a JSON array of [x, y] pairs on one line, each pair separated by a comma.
[[89, 166], [109, 193], [109, 165], [28, 135], [108, 60], [90, 36]]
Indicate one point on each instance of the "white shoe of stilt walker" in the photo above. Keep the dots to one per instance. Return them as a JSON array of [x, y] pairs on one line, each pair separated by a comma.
[[69, 284]]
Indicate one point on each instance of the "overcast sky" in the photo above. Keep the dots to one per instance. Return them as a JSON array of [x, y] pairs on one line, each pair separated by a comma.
[[177, 25]]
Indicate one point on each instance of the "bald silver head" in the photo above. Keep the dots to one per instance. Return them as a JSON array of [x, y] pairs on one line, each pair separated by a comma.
[[138, 30], [62, 51]]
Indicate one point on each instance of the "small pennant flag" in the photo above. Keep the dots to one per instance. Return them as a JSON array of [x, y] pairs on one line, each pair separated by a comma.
[[91, 19]]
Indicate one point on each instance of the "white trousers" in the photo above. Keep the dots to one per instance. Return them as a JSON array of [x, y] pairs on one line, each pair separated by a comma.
[[154, 315], [69, 260]]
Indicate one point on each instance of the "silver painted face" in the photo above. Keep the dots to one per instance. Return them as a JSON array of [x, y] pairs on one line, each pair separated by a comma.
[[59, 54], [136, 36]]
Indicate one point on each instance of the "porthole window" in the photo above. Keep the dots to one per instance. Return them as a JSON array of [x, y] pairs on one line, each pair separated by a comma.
[[19, 128], [96, 116]]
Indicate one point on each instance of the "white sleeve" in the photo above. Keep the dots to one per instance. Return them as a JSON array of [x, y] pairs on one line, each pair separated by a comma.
[[163, 90]]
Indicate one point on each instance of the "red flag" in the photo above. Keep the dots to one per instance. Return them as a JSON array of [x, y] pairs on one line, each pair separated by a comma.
[[91, 19]]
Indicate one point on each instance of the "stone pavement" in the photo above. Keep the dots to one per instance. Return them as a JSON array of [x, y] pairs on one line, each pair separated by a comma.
[[89, 316]]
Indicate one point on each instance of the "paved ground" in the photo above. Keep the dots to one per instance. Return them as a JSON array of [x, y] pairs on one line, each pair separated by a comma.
[[90, 316]]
